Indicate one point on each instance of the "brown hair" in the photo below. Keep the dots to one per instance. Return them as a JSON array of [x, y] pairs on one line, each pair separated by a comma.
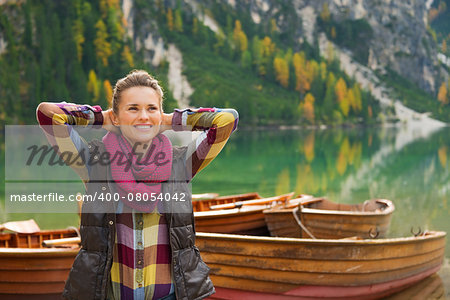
[[135, 78]]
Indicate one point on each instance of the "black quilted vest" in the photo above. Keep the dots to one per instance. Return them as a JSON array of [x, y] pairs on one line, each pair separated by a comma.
[[90, 273]]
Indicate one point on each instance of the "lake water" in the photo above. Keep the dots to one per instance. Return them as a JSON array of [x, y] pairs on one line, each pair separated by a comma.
[[410, 166]]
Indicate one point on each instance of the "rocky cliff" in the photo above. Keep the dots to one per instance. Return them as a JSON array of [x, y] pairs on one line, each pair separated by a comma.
[[396, 39], [399, 41]]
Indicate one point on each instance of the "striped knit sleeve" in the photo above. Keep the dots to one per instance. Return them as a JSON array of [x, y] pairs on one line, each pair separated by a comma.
[[58, 120], [217, 125]]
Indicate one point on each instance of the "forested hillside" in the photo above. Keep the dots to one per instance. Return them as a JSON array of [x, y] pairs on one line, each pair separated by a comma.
[[61, 50], [76, 50]]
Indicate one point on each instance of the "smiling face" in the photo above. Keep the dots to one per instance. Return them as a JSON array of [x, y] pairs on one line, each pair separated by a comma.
[[139, 114]]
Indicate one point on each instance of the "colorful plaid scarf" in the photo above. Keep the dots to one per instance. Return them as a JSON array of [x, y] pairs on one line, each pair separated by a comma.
[[137, 175]]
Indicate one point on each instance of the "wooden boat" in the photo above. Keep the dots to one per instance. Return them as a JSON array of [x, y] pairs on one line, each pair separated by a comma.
[[324, 219], [30, 271], [254, 267], [241, 214], [202, 203], [429, 288]]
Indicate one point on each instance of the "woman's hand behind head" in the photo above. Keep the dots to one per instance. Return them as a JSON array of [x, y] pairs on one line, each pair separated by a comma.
[[107, 121]]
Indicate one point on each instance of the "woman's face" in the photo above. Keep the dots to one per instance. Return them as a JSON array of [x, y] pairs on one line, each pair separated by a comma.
[[139, 114]]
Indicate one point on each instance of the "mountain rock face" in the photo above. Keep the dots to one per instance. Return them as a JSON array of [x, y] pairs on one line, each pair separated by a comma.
[[2, 45], [400, 39]]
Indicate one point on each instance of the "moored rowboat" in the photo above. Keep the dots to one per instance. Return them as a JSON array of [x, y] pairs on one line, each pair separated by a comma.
[[248, 267], [243, 219], [29, 271], [204, 203], [329, 220]]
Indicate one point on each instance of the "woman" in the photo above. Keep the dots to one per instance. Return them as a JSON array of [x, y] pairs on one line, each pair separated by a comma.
[[143, 245]]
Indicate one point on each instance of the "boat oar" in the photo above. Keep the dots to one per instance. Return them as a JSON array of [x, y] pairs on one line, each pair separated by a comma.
[[239, 204], [204, 196], [58, 242], [303, 200], [28, 226]]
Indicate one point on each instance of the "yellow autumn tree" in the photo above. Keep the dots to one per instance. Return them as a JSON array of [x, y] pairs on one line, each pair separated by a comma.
[[160, 6], [107, 88], [78, 37], [358, 99], [442, 154], [341, 94], [103, 8], [178, 23], [273, 26], [243, 41], [307, 107], [325, 13], [351, 99], [312, 69], [268, 47], [169, 17], [267, 51], [127, 56], [195, 26], [106, 5], [301, 77], [281, 71], [102, 46], [442, 94], [239, 37], [333, 33], [323, 70], [92, 86], [330, 53]]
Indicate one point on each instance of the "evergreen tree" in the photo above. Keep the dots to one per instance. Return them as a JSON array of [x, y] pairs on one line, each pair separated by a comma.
[[28, 32], [195, 26], [273, 26], [246, 59], [323, 70], [328, 102]]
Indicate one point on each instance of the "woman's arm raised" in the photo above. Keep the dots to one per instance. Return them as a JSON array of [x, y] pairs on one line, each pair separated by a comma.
[[57, 121], [217, 125]]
